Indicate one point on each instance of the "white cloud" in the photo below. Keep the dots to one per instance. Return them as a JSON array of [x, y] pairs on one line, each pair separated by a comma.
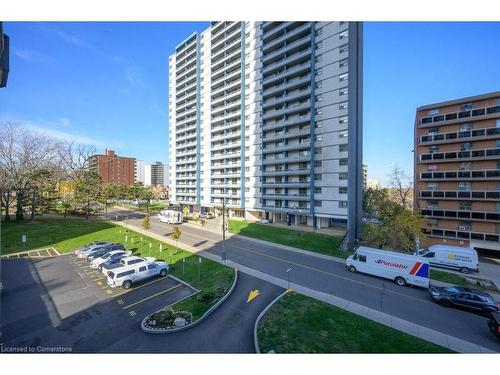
[[31, 55], [64, 121], [73, 39]]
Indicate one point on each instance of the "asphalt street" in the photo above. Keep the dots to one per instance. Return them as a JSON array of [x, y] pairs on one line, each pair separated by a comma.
[[409, 303], [59, 302]]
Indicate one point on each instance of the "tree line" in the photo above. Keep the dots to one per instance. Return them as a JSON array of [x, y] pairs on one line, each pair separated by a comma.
[[39, 173]]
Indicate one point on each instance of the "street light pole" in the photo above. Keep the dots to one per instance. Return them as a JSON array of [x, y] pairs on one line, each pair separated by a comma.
[[224, 260]]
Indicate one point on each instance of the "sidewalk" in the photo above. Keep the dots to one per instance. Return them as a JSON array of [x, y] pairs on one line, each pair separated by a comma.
[[436, 337]]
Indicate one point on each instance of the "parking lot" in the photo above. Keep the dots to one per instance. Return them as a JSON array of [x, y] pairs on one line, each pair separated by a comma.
[[61, 301]]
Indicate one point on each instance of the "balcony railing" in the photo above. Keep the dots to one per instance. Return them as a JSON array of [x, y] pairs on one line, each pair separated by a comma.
[[287, 208], [460, 175], [461, 235], [490, 153], [460, 194], [462, 135], [461, 215], [455, 116]]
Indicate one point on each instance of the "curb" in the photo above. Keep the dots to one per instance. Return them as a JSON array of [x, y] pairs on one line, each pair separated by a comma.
[[261, 315], [207, 313]]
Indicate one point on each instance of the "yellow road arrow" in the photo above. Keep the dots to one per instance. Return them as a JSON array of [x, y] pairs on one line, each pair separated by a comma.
[[253, 294]]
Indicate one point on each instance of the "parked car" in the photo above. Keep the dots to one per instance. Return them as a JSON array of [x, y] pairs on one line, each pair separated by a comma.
[[264, 221], [464, 297], [111, 255], [90, 246], [103, 250], [494, 324], [105, 266], [210, 215], [125, 262], [126, 276], [464, 259]]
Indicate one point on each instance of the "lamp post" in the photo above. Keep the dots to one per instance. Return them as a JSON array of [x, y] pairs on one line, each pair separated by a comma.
[[224, 255]]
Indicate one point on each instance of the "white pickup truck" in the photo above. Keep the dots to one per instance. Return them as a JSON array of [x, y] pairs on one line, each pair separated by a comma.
[[126, 276]]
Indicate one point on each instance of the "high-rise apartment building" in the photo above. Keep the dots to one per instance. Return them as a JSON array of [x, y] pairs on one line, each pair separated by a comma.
[[267, 116], [140, 174], [457, 171], [114, 168], [157, 174], [4, 57]]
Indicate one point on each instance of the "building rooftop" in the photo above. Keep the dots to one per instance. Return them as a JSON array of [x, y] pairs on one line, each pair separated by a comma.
[[468, 99]]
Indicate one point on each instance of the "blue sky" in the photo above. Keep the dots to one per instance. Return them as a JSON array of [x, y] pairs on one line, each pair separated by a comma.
[[106, 83]]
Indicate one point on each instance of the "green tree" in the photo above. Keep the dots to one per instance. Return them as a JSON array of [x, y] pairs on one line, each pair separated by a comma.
[[148, 195], [88, 189], [145, 223], [136, 192], [374, 200], [176, 234]]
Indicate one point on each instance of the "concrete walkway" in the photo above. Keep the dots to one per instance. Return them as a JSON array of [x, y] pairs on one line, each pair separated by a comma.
[[436, 337]]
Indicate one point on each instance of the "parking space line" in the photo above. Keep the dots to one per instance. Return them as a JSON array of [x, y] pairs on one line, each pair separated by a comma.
[[152, 296], [139, 287], [38, 253]]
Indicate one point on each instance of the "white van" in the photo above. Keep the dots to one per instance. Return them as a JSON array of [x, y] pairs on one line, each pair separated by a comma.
[[170, 217], [126, 276], [402, 268], [464, 259]]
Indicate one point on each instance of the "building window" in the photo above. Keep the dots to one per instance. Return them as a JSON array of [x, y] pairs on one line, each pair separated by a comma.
[[317, 190], [343, 77], [344, 34], [343, 63], [319, 71], [465, 206], [317, 203], [343, 134], [343, 176], [318, 163], [343, 147], [317, 151], [342, 106], [343, 190], [317, 177], [343, 91], [342, 204], [342, 162], [466, 107]]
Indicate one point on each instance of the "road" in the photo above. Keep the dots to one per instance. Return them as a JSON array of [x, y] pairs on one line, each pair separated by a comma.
[[412, 304], [58, 303]]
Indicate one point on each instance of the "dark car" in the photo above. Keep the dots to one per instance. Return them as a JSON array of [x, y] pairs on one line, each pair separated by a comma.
[[112, 262], [494, 324], [464, 297], [100, 251]]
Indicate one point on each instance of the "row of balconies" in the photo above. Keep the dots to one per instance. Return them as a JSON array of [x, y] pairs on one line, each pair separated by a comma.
[[297, 94], [461, 235], [229, 96], [287, 172], [222, 40], [287, 60], [460, 194], [272, 136], [226, 76], [462, 215], [488, 133], [283, 159], [462, 115], [226, 145], [294, 197], [288, 85], [460, 175], [287, 110], [302, 67], [490, 153], [293, 33], [286, 208], [287, 147], [292, 120], [226, 65]]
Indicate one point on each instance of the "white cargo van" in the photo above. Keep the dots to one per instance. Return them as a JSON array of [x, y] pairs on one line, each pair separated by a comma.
[[462, 258], [402, 268]]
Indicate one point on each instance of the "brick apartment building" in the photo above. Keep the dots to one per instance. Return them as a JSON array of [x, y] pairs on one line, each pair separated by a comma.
[[114, 168], [457, 171]]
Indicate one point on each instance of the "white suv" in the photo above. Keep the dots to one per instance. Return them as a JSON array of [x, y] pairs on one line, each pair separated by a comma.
[[109, 256], [126, 276]]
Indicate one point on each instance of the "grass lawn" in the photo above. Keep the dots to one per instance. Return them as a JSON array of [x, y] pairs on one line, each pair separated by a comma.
[[452, 278], [153, 207], [66, 235], [318, 243], [299, 324]]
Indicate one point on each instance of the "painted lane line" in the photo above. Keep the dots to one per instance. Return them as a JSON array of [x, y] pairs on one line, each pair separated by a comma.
[[138, 287], [323, 272], [152, 296]]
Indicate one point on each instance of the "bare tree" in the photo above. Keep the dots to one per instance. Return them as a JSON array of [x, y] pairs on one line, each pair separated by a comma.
[[23, 152], [402, 186], [75, 158]]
